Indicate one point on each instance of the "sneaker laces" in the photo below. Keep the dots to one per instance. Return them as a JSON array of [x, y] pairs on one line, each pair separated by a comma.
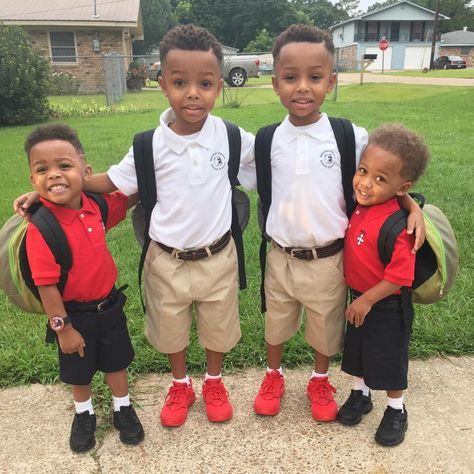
[[270, 385], [128, 415], [177, 397], [83, 422], [215, 394], [320, 391], [391, 418]]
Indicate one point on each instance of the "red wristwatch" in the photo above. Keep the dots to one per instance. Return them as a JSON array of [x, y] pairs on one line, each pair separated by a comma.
[[58, 323]]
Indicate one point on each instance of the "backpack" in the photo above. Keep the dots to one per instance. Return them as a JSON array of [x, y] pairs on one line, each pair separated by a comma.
[[437, 261], [15, 277], [345, 140], [141, 214]]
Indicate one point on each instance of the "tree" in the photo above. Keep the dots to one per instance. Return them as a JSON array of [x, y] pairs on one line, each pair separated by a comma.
[[24, 79], [263, 42], [322, 13], [158, 18]]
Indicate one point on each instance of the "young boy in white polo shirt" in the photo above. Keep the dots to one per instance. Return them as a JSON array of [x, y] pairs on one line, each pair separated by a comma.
[[192, 213], [306, 220]]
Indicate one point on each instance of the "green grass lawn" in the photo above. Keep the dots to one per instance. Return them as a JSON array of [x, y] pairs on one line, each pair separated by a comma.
[[457, 73], [443, 115]]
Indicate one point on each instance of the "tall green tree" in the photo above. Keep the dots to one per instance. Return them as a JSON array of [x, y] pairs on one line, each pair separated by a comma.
[[158, 18], [323, 13]]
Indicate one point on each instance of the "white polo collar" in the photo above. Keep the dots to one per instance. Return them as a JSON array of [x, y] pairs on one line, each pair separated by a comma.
[[319, 130], [178, 143]]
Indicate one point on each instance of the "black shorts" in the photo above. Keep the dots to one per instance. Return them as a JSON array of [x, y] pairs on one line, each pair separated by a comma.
[[108, 346], [377, 351]]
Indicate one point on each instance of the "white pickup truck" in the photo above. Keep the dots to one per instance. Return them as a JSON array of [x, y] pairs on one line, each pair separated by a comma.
[[236, 69]]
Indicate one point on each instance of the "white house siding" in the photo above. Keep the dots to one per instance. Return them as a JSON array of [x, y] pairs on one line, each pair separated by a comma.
[[377, 64], [417, 57], [402, 12], [343, 35]]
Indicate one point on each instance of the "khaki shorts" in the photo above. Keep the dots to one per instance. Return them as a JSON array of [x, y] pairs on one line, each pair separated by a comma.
[[173, 287], [319, 286]]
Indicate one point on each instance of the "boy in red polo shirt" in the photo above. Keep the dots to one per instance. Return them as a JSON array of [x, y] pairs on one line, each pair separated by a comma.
[[380, 315], [88, 316]]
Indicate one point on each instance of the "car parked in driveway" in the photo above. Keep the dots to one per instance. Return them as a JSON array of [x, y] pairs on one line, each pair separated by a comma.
[[236, 69], [449, 62]]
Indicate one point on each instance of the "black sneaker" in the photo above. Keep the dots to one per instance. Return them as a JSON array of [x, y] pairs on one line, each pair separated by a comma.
[[392, 428], [82, 432], [354, 408], [127, 422]]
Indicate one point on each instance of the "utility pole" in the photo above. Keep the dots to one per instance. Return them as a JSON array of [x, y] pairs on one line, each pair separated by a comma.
[[435, 29]]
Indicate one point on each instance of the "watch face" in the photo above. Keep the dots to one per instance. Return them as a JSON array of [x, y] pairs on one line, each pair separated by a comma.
[[57, 323]]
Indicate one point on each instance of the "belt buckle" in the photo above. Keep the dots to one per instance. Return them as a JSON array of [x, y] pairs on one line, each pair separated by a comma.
[[293, 252], [101, 305]]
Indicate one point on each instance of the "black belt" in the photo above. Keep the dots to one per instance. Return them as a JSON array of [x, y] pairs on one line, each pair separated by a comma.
[[355, 294], [198, 254], [313, 252], [95, 306]]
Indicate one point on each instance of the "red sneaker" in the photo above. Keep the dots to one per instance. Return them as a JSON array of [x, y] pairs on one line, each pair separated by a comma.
[[267, 401], [323, 406], [175, 410], [218, 407]]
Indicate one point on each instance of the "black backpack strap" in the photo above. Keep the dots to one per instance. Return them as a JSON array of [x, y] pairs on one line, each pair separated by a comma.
[[388, 234], [146, 180], [55, 238], [263, 165], [235, 148], [345, 139], [103, 207]]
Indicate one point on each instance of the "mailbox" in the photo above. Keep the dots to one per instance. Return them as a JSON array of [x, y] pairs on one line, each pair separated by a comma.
[[370, 56]]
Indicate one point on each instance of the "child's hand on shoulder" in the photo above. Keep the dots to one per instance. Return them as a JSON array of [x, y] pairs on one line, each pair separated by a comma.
[[71, 341], [357, 311]]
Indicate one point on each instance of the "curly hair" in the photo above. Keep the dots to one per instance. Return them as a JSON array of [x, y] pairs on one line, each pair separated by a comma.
[[189, 38], [300, 33], [404, 143], [56, 131]]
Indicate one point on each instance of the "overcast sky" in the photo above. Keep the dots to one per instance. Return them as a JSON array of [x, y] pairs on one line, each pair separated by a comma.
[[363, 4]]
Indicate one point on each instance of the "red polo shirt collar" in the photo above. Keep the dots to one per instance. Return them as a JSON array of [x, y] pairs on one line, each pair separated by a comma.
[[66, 215]]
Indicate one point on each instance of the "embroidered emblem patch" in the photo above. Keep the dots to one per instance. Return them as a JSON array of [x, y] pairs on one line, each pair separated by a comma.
[[360, 237], [327, 158], [218, 161]]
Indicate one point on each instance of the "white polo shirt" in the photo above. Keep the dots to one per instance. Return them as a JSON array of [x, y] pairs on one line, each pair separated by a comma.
[[308, 207], [193, 206]]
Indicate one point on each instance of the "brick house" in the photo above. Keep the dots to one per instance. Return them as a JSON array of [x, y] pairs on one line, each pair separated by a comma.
[[458, 43], [73, 35], [407, 26]]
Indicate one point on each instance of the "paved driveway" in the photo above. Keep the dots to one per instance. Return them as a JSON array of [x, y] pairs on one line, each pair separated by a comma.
[[354, 78]]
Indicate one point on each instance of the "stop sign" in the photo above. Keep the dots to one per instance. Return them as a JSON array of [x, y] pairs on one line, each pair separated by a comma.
[[383, 44]]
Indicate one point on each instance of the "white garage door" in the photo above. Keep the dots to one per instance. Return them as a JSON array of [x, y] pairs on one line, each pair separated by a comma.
[[377, 64], [417, 57]]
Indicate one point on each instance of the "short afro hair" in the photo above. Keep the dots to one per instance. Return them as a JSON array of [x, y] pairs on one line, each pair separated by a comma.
[[57, 131], [300, 33], [189, 38], [404, 143]]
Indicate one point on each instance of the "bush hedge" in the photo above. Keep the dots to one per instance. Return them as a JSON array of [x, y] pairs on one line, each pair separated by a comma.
[[24, 79]]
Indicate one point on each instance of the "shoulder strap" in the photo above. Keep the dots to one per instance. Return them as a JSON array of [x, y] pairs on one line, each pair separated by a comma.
[[103, 207], [389, 232], [55, 238], [263, 165], [345, 139], [146, 180], [235, 148]]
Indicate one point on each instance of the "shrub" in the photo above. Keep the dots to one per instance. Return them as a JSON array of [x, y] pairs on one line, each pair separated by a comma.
[[63, 83], [24, 79], [136, 76]]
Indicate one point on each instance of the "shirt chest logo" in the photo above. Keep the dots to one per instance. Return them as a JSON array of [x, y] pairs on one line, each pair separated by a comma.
[[327, 159], [360, 238], [218, 161]]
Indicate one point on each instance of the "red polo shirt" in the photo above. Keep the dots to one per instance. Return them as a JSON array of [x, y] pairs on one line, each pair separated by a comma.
[[93, 272], [362, 266]]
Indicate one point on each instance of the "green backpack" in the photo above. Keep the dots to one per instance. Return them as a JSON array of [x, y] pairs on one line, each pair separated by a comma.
[[437, 261], [15, 276]]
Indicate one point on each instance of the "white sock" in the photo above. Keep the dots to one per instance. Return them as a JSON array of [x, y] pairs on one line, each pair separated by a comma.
[[278, 370], [121, 402], [317, 375], [81, 407], [212, 377], [396, 403], [184, 380], [358, 383]]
